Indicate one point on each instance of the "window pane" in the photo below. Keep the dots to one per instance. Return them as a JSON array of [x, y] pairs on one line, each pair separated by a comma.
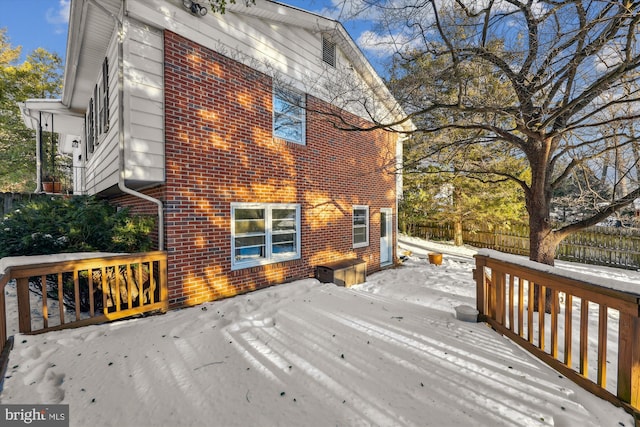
[[383, 224], [288, 106], [284, 243], [288, 115], [283, 220], [249, 248], [288, 248], [249, 253], [288, 97], [249, 214], [249, 221], [284, 214], [286, 128], [249, 241], [249, 226], [284, 238], [360, 217], [359, 235], [284, 225]]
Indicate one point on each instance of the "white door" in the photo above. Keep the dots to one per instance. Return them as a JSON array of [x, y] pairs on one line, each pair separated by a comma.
[[386, 236]]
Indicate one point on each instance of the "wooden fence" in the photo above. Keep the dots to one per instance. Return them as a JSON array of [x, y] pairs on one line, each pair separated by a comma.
[[9, 200], [608, 246], [98, 289], [506, 293]]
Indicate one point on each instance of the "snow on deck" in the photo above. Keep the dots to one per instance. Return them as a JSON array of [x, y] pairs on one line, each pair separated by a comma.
[[387, 353], [19, 261]]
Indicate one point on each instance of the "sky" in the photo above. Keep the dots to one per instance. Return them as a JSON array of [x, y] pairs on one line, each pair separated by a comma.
[[36, 23], [388, 352], [43, 23]]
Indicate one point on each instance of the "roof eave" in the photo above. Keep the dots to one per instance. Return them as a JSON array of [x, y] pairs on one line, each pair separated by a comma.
[[74, 45]]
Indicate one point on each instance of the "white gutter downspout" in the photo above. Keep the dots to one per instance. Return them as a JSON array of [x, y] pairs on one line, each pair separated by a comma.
[[121, 142]]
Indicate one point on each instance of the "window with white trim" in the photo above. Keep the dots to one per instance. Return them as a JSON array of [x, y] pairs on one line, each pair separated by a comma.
[[360, 226], [289, 115], [264, 233]]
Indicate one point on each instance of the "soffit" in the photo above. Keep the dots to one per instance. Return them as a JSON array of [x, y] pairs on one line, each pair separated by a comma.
[[90, 30]]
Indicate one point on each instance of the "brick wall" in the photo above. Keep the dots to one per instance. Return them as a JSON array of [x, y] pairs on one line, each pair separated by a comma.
[[220, 150]]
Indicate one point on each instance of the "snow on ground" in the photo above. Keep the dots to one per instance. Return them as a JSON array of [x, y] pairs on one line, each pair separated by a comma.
[[389, 352]]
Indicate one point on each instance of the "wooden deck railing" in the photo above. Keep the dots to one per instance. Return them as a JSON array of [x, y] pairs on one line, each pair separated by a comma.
[[506, 289], [84, 291]]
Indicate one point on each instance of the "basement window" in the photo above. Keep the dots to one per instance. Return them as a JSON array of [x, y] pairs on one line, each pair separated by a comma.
[[264, 233]]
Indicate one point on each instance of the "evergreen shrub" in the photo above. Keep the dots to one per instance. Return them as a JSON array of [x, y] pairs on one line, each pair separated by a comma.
[[55, 224]]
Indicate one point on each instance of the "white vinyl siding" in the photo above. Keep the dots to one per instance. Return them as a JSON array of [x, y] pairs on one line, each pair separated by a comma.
[[264, 233], [360, 226], [262, 44], [102, 156], [144, 100], [97, 115]]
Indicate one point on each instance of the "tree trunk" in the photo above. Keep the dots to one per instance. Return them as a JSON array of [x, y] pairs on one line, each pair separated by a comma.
[[542, 240], [621, 173], [543, 244], [457, 232]]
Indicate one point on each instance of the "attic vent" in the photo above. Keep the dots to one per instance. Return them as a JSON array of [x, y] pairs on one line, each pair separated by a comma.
[[328, 52]]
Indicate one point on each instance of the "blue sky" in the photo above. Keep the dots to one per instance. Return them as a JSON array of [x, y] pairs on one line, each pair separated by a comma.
[[36, 23], [43, 23]]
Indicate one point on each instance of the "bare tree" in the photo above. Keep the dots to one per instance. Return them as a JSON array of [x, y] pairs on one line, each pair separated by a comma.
[[569, 93]]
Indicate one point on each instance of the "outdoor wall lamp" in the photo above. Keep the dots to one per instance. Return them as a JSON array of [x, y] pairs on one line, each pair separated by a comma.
[[194, 7], [75, 143]]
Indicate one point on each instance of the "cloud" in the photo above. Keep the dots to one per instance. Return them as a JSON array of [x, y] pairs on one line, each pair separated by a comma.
[[609, 56], [381, 45], [59, 16], [349, 10]]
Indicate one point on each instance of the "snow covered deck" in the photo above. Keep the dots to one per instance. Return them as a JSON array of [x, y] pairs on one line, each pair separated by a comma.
[[388, 352], [589, 331]]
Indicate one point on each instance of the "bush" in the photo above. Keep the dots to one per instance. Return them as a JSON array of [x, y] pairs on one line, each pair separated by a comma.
[[51, 225]]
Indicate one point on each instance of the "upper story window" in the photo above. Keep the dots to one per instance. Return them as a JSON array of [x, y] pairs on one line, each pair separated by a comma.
[[328, 51], [360, 226], [263, 233], [289, 115], [97, 116]]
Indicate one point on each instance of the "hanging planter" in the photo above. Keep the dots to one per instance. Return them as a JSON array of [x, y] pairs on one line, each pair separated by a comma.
[[435, 258]]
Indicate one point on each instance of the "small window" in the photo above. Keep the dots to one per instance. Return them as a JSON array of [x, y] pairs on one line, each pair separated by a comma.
[[104, 98], [90, 127], [97, 116], [264, 234], [328, 51], [360, 226], [289, 115]]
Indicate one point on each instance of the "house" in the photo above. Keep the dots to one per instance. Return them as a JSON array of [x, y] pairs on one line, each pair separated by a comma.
[[238, 131]]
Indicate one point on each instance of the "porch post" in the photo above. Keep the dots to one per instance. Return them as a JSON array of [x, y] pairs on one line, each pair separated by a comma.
[[481, 292], [629, 359]]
